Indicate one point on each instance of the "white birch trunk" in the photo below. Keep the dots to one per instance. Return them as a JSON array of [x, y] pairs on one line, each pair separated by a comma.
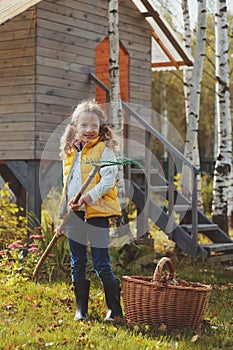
[[115, 97], [230, 202], [222, 170], [114, 69], [191, 143], [187, 72], [215, 132], [164, 120]]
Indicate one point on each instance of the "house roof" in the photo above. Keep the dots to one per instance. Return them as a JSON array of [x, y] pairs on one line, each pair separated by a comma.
[[167, 50], [12, 8]]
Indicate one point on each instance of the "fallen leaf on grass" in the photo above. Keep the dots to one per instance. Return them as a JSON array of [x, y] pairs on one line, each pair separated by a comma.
[[67, 300], [49, 344], [195, 338], [162, 327], [55, 324]]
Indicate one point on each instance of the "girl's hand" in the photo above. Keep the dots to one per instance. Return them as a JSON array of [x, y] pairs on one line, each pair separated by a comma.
[[58, 232], [84, 199]]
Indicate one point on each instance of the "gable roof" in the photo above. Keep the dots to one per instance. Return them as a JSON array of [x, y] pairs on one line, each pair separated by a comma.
[[12, 8], [167, 50]]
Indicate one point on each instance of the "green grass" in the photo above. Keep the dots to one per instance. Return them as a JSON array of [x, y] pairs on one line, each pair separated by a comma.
[[40, 315]]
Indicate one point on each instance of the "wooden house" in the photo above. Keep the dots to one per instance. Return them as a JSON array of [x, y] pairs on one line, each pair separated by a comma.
[[47, 50]]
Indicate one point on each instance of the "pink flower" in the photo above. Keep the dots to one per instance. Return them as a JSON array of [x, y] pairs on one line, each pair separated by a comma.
[[37, 236], [15, 245], [35, 245], [33, 250], [52, 255]]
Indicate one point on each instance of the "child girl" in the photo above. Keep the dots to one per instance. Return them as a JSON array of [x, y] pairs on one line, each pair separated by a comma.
[[86, 140]]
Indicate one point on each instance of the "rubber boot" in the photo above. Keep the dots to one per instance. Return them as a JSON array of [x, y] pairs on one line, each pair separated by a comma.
[[112, 295], [81, 291]]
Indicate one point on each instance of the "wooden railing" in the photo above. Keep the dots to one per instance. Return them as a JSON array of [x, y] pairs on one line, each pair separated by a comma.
[[173, 153]]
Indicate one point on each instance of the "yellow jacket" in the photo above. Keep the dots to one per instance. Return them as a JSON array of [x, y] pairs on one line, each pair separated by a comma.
[[106, 206]]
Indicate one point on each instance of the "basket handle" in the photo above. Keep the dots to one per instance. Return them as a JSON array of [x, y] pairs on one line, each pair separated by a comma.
[[157, 276]]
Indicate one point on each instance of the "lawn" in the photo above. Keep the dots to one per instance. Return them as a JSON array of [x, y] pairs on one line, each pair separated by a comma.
[[39, 315]]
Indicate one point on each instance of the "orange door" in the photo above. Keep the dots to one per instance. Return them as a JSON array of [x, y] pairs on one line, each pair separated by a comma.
[[102, 68]]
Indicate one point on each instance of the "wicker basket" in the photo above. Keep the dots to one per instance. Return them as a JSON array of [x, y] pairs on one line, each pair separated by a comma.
[[161, 301]]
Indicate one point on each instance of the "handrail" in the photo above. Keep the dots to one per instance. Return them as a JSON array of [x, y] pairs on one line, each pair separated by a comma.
[[101, 85], [172, 150], [154, 132], [149, 127]]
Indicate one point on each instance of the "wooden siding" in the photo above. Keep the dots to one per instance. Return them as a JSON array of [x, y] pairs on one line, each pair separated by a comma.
[[17, 87], [40, 84], [67, 36], [66, 42], [135, 35]]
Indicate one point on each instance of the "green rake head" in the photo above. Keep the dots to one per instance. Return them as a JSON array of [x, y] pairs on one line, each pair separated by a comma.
[[121, 161]]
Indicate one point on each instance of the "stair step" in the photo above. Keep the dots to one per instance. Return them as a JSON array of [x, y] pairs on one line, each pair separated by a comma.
[[182, 207], [154, 171], [218, 247], [201, 227], [137, 171], [142, 171], [158, 189], [179, 208]]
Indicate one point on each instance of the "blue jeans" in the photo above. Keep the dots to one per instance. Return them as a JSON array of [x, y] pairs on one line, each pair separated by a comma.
[[96, 231]]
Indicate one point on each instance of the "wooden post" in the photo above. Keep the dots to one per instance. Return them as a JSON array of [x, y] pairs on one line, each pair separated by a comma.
[[9, 174], [34, 197]]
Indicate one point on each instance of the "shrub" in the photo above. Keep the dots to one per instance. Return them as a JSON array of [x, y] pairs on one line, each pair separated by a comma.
[[21, 246], [13, 226], [207, 192]]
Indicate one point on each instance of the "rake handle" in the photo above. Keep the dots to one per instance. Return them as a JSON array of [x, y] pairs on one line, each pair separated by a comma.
[[44, 256]]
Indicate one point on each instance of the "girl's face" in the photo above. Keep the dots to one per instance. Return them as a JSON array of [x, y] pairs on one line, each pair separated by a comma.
[[88, 126]]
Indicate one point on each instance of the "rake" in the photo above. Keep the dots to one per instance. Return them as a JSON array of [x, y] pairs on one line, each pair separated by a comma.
[[97, 166]]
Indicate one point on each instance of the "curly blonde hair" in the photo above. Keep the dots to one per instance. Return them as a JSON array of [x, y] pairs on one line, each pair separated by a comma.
[[105, 132]]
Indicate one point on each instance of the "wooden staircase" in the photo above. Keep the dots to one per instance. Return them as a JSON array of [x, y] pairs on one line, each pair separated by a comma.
[[178, 217], [181, 232]]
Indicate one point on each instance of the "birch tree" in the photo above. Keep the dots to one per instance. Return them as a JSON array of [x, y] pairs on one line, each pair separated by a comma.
[[114, 69], [230, 201], [187, 73], [222, 169], [191, 142], [115, 98]]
